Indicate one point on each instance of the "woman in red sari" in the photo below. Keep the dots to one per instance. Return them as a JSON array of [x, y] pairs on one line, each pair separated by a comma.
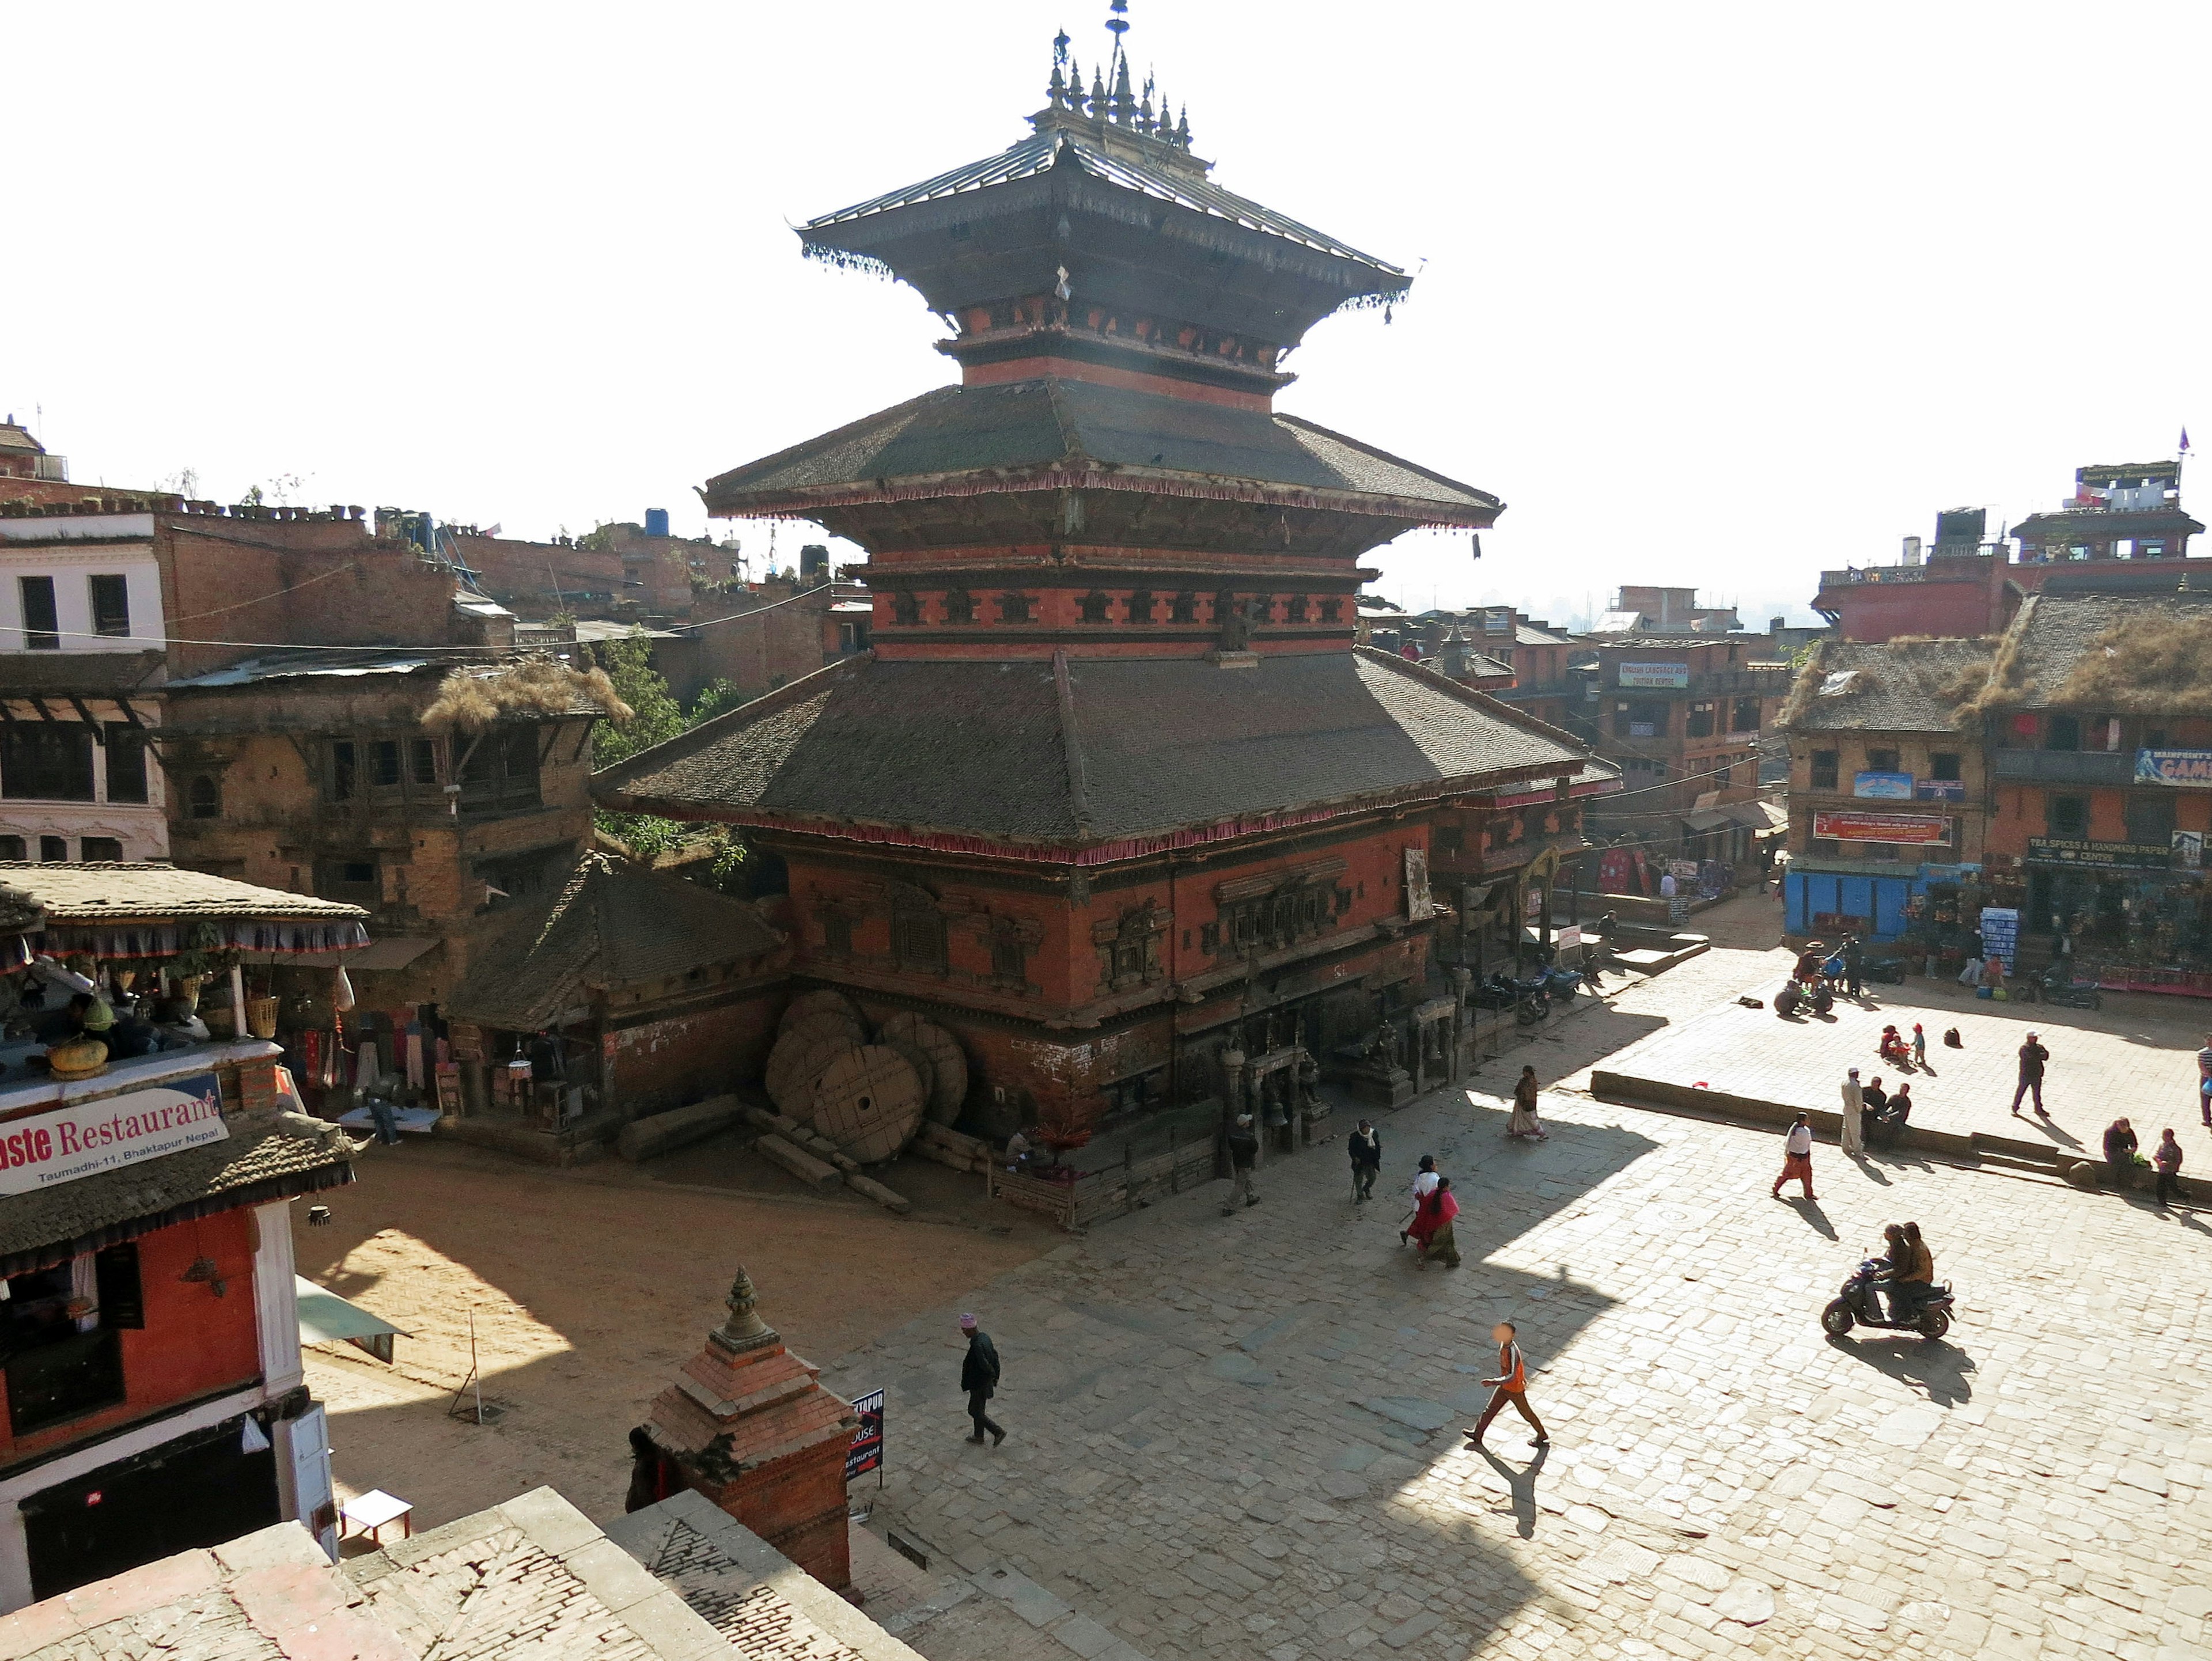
[[1432, 1226]]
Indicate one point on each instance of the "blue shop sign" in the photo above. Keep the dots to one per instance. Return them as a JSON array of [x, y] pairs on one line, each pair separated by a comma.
[[1882, 786], [1939, 790], [2187, 767]]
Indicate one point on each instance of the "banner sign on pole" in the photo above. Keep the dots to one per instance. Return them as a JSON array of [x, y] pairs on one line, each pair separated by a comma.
[[867, 1452]]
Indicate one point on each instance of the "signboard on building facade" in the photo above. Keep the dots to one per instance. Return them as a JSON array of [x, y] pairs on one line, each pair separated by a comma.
[[92, 1136], [1882, 786], [1918, 829], [2189, 850], [1939, 790], [2191, 768], [2099, 856], [1420, 902], [1654, 675], [2000, 934], [867, 1452]]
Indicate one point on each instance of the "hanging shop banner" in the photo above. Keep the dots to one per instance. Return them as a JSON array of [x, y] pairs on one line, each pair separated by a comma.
[[2190, 768], [867, 1452], [1654, 675], [2189, 850], [1920, 829], [1882, 786], [93, 1136], [1939, 790], [2099, 856]]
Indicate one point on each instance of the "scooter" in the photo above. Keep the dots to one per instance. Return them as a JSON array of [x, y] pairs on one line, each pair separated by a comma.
[[2056, 984], [1861, 1305], [1529, 1000], [1796, 995]]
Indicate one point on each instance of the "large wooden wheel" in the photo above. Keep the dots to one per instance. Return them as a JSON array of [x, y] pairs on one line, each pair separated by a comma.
[[808, 1010], [948, 1081], [796, 1064], [917, 1057], [869, 1102]]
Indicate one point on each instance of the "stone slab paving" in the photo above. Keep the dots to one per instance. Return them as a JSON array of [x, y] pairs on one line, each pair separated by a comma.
[[1238, 1437], [2135, 1056]]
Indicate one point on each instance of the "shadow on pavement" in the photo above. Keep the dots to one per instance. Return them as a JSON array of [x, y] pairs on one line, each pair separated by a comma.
[[1811, 1211], [1522, 1488], [1930, 1365]]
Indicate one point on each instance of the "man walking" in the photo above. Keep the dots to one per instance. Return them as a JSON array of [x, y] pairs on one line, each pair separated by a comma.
[[979, 1377], [1854, 966], [1366, 1145], [1854, 1105], [1796, 1157], [1243, 1154], [1511, 1384], [2032, 1055]]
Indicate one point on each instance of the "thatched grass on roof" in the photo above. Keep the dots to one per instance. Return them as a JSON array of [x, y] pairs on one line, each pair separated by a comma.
[[1981, 688], [2147, 665], [468, 701], [1809, 675]]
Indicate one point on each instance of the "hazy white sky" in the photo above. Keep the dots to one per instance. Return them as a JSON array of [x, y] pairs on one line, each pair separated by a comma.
[[1709, 294]]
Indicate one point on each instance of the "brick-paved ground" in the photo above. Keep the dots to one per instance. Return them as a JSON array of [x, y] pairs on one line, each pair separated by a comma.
[[1238, 1437]]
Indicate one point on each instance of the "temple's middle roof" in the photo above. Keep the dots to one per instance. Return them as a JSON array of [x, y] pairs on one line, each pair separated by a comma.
[[1035, 434]]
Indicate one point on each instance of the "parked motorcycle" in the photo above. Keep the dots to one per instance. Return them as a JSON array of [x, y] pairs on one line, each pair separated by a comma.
[[1530, 1000], [2057, 984], [1861, 1305]]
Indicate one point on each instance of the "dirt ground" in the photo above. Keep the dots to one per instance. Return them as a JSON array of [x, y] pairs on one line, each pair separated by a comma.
[[588, 1287]]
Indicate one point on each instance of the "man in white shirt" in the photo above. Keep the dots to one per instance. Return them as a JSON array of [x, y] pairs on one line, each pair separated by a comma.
[[1796, 1157], [1667, 886], [1854, 1101]]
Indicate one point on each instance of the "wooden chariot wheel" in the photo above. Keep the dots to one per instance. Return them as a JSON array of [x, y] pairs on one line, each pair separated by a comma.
[[869, 1102]]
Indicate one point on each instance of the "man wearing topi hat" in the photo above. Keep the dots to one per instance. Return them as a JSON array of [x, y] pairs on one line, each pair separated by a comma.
[[979, 1377]]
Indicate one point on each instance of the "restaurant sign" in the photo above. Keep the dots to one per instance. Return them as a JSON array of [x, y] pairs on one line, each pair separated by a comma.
[[2189, 768], [1654, 675], [2099, 856], [90, 1137], [1912, 827], [1882, 786]]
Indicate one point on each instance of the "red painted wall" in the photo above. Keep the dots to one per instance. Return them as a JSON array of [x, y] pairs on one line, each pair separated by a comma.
[[194, 1344]]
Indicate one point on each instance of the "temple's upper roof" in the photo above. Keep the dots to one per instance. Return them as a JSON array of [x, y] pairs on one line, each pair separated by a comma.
[[1051, 147], [1133, 751], [1051, 433]]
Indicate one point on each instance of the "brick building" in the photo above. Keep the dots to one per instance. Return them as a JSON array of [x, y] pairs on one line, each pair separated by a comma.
[[150, 1352], [1112, 795], [1680, 716], [776, 631], [2123, 527], [1889, 799]]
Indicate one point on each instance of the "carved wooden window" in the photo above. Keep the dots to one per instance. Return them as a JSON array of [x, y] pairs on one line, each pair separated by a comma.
[[837, 934], [1140, 607], [1014, 607], [1183, 609], [906, 607], [1332, 610], [1009, 958], [1096, 607], [918, 938], [959, 607], [1294, 608]]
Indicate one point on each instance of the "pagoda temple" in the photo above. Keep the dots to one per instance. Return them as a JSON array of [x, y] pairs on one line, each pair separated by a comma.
[[1114, 797]]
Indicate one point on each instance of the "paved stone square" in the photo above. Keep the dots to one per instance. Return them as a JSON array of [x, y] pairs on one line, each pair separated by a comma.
[[1239, 1436], [2135, 1056]]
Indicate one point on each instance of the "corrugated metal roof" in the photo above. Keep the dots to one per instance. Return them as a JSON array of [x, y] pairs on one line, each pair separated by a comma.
[[1042, 151]]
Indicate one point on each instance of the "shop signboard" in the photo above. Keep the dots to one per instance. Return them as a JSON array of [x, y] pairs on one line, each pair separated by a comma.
[[2001, 933], [2189, 768], [1918, 829], [1660, 676], [2189, 850], [2099, 856], [1939, 790], [867, 1452], [1882, 786], [90, 1137]]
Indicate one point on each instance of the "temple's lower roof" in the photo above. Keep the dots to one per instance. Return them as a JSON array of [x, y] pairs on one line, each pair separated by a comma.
[[1053, 431], [1139, 750]]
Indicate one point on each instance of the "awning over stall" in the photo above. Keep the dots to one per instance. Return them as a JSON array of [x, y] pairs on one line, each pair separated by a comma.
[[325, 1317], [140, 909]]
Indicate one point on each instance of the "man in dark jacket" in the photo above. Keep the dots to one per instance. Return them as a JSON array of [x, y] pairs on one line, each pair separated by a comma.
[[2032, 1055], [979, 1377], [1243, 1155], [1854, 966], [1366, 1145]]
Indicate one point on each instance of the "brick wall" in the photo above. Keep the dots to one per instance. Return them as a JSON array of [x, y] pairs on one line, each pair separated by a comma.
[[671, 1059]]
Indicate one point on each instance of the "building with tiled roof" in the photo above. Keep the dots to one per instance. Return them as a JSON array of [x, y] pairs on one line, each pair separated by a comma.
[[1112, 796]]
